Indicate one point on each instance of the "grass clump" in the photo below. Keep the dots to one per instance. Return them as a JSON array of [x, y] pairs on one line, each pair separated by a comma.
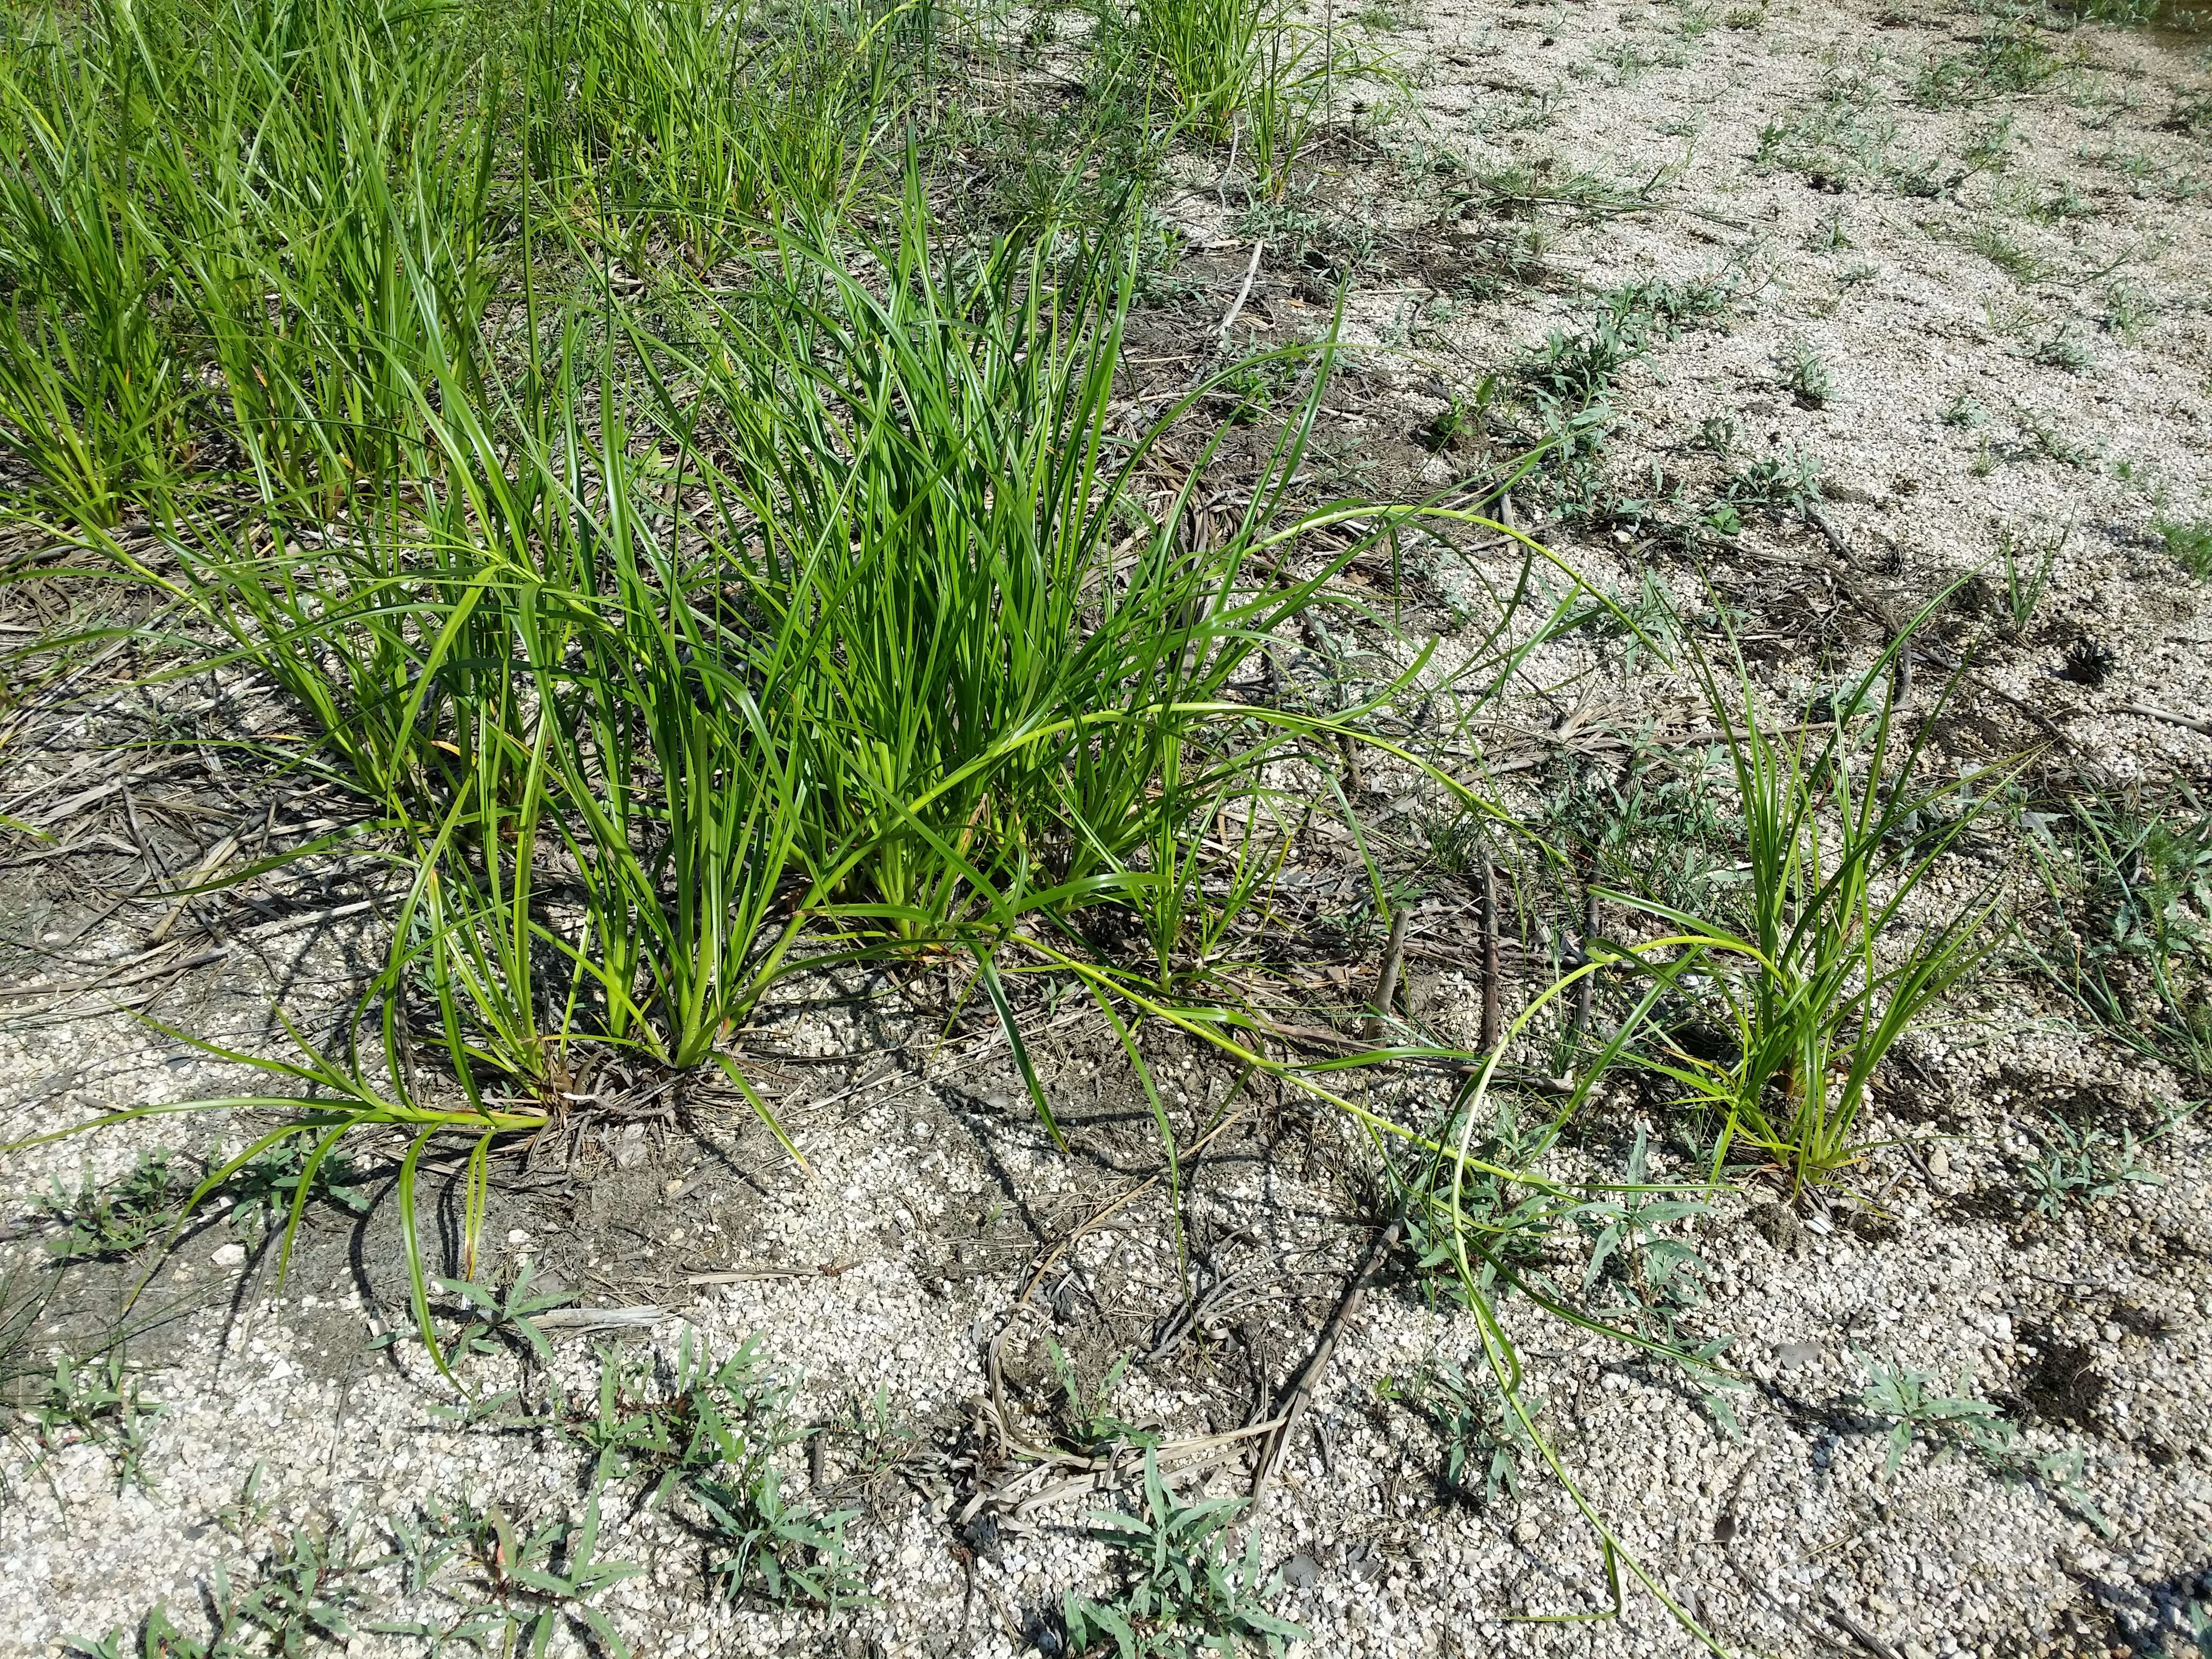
[[241, 243], [2025, 580], [1806, 985], [2189, 542], [897, 677], [1251, 71], [672, 127]]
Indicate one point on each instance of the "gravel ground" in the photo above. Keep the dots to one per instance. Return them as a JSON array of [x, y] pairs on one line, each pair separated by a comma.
[[930, 1225]]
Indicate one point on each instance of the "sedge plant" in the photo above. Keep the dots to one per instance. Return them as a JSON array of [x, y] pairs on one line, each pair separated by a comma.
[[1826, 967], [1248, 72], [857, 641]]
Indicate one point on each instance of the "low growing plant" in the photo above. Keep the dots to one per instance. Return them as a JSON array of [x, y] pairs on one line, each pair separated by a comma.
[[116, 1219], [1185, 1593], [95, 1402], [1949, 1416], [2080, 1166], [1483, 1441], [704, 1444], [2131, 880], [1092, 1423], [1805, 376], [2189, 542]]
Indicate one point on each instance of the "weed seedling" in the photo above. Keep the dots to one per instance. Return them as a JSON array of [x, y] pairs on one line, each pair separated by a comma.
[[1989, 145], [1804, 376], [1654, 1279], [502, 1318], [2189, 542], [267, 1188], [311, 1590], [704, 1445], [2007, 255], [1460, 417], [2080, 1166], [1951, 1417], [2050, 442], [1923, 1405], [1788, 483], [1185, 1593], [880, 1442], [96, 1403], [1963, 412], [115, 1220], [529, 1581], [2129, 313], [1661, 1276], [1482, 1435], [2063, 350], [307, 1591], [1092, 1423], [2132, 886], [2003, 64]]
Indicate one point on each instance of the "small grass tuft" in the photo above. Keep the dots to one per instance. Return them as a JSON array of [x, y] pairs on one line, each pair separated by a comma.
[[1823, 980], [2188, 541]]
